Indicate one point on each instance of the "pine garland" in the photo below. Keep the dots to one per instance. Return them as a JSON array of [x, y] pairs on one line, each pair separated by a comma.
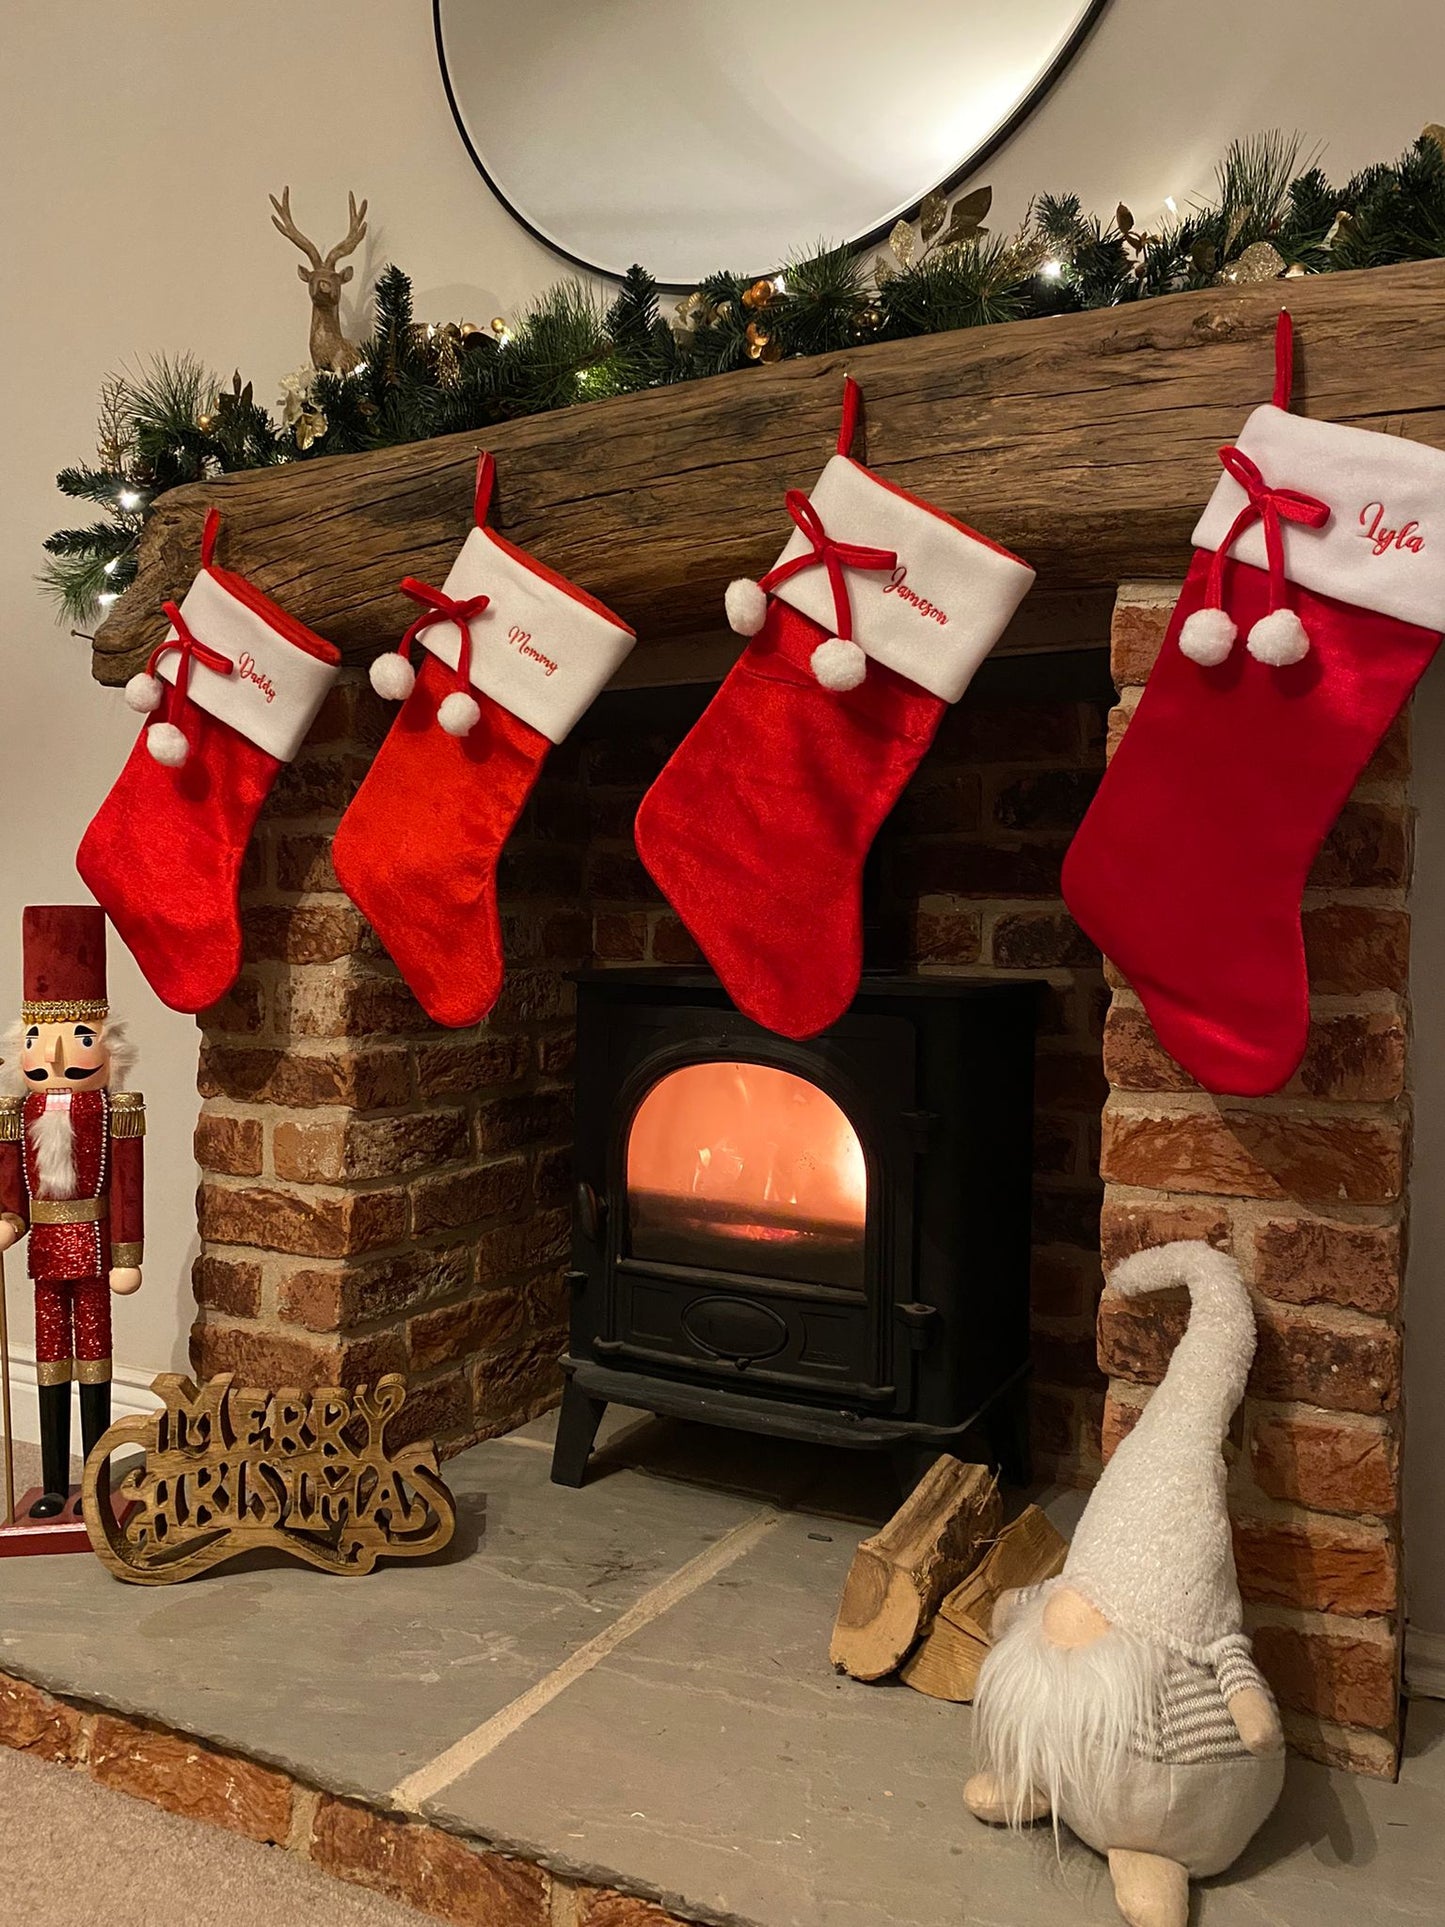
[[174, 422]]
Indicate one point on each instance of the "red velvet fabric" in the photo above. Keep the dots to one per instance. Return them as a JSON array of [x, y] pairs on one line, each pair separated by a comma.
[[417, 850], [1189, 868], [127, 1190], [163, 855], [64, 952], [757, 830]]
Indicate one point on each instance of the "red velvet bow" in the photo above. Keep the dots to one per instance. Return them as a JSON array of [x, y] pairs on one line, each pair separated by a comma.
[[437, 606], [189, 648], [834, 556], [1270, 506]]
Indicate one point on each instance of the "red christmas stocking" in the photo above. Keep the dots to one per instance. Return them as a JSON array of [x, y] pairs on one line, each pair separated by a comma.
[[872, 621], [513, 656], [241, 682], [1324, 546]]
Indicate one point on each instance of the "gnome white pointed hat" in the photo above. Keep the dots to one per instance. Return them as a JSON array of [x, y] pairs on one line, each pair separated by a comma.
[[1152, 1551]]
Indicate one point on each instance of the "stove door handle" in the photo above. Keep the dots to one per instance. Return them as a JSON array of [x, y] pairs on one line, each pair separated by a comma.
[[591, 1211]]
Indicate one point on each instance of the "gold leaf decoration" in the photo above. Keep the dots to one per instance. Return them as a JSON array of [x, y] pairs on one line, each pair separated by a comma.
[[966, 221], [901, 242], [1236, 226], [930, 215], [1260, 262], [1434, 132], [883, 271], [1124, 219]]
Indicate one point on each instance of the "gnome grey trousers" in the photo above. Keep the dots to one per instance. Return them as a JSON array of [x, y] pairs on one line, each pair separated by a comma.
[[1203, 1815]]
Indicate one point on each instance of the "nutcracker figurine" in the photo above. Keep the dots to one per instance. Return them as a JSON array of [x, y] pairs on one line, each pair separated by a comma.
[[71, 1148]]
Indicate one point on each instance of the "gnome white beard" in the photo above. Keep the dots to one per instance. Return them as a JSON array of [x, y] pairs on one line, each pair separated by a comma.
[[1050, 1718], [53, 1137]]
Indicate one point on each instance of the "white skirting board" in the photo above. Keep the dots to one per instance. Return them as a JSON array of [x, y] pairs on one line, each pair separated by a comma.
[[1425, 1664], [130, 1394]]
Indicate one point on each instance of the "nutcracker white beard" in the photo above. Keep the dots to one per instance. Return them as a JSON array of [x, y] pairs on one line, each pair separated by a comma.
[[1049, 1718], [53, 1136]]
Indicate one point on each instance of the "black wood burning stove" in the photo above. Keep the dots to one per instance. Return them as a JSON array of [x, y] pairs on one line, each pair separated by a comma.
[[826, 1240]]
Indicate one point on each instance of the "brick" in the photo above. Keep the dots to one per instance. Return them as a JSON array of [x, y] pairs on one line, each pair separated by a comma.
[[1136, 635], [599, 1907], [435, 1408], [309, 1153], [364, 1360], [185, 1777], [544, 1238], [306, 934], [1121, 1415], [617, 876], [467, 1197], [620, 936], [1064, 1284], [1353, 1368], [523, 1121], [627, 761], [533, 997], [1056, 1145], [1053, 799], [1312, 1261], [315, 1224], [1351, 948], [1321, 1565], [368, 1079], [519, 1385], [361, 1148], [1357, 1056], [1069, 1081], [1065, 1358], [938, 800], [334, 1297], [241, 1012], [1125, 1228], [260, 1356], [1256, 1154], [1350, 1749], [538, 870], [227, 1285], [1045, 941], [351, 1002], [1053, 1422], [1066, 1215], [1343, 1368], [1368, 849], [472, 1064], [229, 1145], [953, 867], [670, 943], [315, 785], [946, 935], [557, 1053], [426, 1868], [1391, 759], [1329, 1465], [453, 1332], [983, 732], [33, 1722], [1352, 1681], [303, 865]]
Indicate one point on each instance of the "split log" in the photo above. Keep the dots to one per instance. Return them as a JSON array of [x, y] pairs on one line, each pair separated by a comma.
[[1085, 442], [946, 1664], [899, 1575]]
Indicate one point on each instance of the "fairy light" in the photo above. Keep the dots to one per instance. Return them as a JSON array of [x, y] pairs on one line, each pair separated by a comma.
[[1051, 269], [112, 565], [129, 499], [780, 283], [106, 597], [1171, 204]]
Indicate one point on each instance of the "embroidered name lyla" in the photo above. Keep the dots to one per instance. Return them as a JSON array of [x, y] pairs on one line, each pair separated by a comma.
[[1375, 531], [897, 584], [248, 672]]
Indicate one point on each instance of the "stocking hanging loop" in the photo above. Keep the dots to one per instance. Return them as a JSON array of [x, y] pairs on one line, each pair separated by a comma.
[[482, 497], [852, 411], [1283, 359], [208, 536]]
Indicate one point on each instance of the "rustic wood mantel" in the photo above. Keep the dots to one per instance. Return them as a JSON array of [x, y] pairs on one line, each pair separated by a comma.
[[1086, 442]]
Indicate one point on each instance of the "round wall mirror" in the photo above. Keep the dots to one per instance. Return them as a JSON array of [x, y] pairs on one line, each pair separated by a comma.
[[690, 135]]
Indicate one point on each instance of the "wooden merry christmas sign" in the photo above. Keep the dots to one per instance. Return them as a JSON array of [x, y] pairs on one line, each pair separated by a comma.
[[227, 1470]]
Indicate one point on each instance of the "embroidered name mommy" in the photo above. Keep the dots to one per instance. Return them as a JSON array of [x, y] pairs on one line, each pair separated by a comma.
[[897, 584], [521, 641], [248, 672], [1376, 531]]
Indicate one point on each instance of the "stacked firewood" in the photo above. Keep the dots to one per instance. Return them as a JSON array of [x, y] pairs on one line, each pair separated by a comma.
[[921, 1591]]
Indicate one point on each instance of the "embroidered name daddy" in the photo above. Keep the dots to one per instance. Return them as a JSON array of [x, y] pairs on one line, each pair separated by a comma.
[[897, 584], [1382, 538], [248, 672]]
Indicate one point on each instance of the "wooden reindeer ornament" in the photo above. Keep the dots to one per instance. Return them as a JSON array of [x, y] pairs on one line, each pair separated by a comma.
[[329, 347]]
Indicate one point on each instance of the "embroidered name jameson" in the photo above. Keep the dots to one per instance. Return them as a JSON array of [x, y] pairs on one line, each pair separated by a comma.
[[1374, 530], [897, 584]]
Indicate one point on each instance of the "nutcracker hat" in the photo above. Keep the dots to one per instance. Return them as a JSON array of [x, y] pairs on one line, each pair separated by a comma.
[[1153, 1551], [64, 969]]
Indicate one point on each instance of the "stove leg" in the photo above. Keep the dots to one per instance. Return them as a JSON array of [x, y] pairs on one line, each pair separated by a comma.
[[577, 1424], [1006, 1426]]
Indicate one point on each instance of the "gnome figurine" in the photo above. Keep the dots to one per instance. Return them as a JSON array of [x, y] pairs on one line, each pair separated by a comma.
[[71, 1151], [1122, 1697]]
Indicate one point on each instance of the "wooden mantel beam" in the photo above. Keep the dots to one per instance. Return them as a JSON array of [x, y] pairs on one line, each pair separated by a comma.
[[1085, 442]]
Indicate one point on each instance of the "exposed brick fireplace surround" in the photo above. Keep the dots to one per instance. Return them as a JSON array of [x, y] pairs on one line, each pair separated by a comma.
[[380, 1194]]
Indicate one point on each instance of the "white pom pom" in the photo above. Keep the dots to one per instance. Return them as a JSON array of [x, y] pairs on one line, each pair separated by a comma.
[[167, 744], [1279, 639], [1207, 637], [145, 693], [747, 607], [459, 713], [838, 664], [393, 677]]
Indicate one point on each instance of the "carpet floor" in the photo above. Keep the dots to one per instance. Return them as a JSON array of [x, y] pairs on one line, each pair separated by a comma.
[[74, 1854]]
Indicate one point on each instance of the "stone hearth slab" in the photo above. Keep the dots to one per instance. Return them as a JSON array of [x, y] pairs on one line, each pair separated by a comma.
[[629, 1683]]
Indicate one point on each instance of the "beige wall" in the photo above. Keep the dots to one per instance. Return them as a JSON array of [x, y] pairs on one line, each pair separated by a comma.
[[134, 225]]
